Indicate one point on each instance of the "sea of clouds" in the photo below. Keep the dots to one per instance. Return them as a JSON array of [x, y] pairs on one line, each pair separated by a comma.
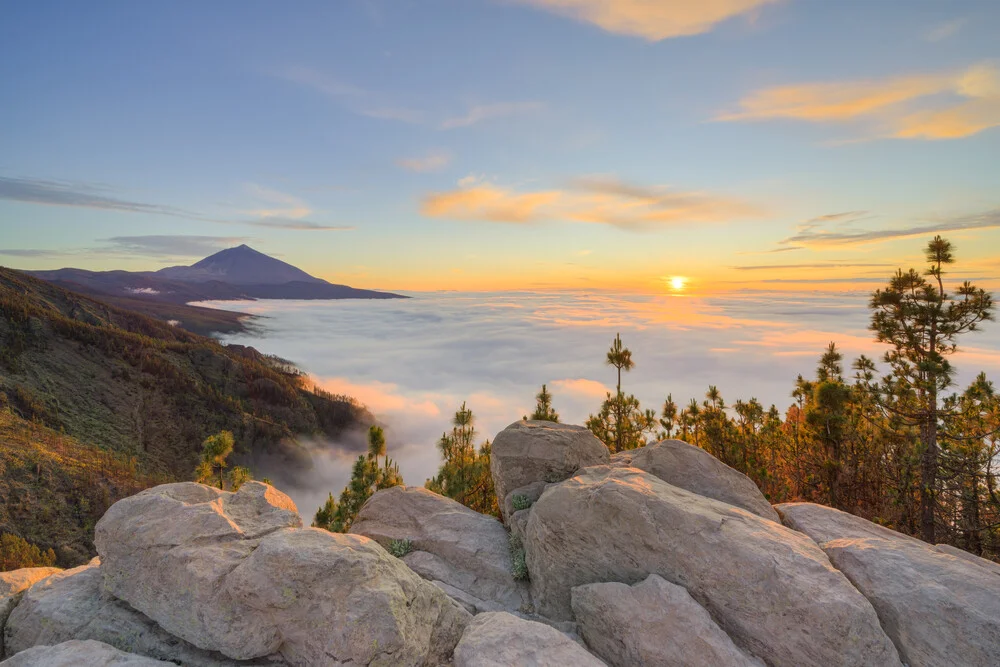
[[414, 361]]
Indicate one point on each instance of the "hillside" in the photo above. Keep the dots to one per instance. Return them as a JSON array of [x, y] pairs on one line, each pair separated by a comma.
[[82, 380]]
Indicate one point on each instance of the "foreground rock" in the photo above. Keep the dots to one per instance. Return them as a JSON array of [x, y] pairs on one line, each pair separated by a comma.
[[12, 587], [234, 573], [499, 639], [527, 453], [972, 558], [771, 589], [692, 468], [938, 609], [655, 624], [71, 606], [452, 544], [76, 653]]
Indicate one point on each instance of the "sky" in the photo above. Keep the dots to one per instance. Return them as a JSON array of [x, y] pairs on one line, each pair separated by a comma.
[[505, 144]]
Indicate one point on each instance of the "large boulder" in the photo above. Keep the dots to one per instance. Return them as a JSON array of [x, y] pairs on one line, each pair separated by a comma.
[[972, 558], [938, 609], [771, 589], [76, 652], [70, 606], [234, 573], [499, 639], [654, 623], [12, 587], [452, 544], [692, 468], [528, 452]]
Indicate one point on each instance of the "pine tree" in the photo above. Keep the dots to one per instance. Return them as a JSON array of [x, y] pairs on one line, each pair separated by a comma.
[[543, 407], [214, 452], [465, 474]]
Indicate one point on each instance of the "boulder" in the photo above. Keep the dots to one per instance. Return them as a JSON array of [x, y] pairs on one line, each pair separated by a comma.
[[771, 589], [972, 558], [71, 606], [500, 639], [655, 624], [451, 544], [938, 609], [234, 573], [12, 587], [76, 652], [528, 452], [692, 468]]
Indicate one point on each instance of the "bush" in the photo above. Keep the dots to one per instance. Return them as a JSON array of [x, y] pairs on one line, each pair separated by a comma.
[[518, 565], [400, 548], [16, 552], [521, 502]]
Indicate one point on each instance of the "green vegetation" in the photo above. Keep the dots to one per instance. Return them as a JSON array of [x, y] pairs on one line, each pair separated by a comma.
[[400, 548], [16, 552], [518, 565], [521, 502], [367, 477], [621, 422], [465, 473], [543, 407], [99, 402]]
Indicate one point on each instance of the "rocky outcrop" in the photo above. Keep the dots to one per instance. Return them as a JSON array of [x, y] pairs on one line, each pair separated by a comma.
[[692, 468], [70, 606], [771, 589], [234, 573], [654, 624], [938, 609], [529, 452], [12, 587], [452, 544], [76, 653], [499, 639], [988, 565]]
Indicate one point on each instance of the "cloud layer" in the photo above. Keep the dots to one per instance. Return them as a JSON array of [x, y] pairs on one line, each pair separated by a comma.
[[653, 20]]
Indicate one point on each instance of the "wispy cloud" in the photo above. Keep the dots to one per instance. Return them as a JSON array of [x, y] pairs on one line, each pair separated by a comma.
[[922, 106], [280, 210], [356, 99], [600, 200], [65, 193], [653, 20], [945, 30], [158, 246], [431, 162], [819, 236], [817, 265], [478, 113]]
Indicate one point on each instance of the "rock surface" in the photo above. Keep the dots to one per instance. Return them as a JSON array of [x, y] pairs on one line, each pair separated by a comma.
[[499, 639], [654, 624], [452, 544], [972, 558], [692, 468], [12, 587], [76, 653], [528, 452], [771, 589], [938, 609], [70, 606], [233, 572]]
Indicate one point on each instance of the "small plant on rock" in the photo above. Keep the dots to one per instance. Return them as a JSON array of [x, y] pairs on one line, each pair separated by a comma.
[[521, 502], [400, 548], [518, 565]]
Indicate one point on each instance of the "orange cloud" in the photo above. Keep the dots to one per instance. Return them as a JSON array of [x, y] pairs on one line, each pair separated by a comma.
[[971, 104], [593, 200], [581, 387], [651, 19]]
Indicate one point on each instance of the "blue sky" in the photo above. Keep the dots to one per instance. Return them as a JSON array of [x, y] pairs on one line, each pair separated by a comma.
[[485, 144]]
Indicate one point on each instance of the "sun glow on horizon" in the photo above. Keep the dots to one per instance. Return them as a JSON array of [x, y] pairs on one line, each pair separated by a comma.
[[678, 283]]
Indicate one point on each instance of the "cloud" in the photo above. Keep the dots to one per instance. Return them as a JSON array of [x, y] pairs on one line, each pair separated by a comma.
[[431, 162], [945, 30], [600, 200], [33, 252], [923, 106], [817, 236], [581, 387], [479, 113], [828, 265], [171, 245], [65, 193], [653, 20], [283, 211], [354, 98]]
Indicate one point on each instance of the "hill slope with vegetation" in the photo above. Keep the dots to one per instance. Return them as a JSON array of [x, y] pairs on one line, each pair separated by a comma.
[[99, 402]]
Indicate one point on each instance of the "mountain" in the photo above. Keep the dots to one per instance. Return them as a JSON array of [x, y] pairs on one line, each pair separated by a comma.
[[98, 402], [229, 275], [241, 265]]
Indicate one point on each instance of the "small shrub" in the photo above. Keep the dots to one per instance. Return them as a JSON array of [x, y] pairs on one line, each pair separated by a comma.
[[518, 565], [521, 502], [400, 548], [16, 552]]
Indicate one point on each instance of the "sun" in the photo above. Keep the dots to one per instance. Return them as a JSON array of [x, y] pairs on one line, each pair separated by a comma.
[[677, 283]]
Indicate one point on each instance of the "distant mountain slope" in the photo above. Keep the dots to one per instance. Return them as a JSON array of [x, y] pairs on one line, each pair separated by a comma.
[[112, 400], [241, 265]]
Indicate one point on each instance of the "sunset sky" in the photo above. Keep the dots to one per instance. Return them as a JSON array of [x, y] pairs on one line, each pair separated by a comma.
[[505, 144]]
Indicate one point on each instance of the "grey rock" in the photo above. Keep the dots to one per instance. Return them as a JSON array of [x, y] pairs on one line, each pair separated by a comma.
[[76, 653], [12, 586], [500, 639]]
